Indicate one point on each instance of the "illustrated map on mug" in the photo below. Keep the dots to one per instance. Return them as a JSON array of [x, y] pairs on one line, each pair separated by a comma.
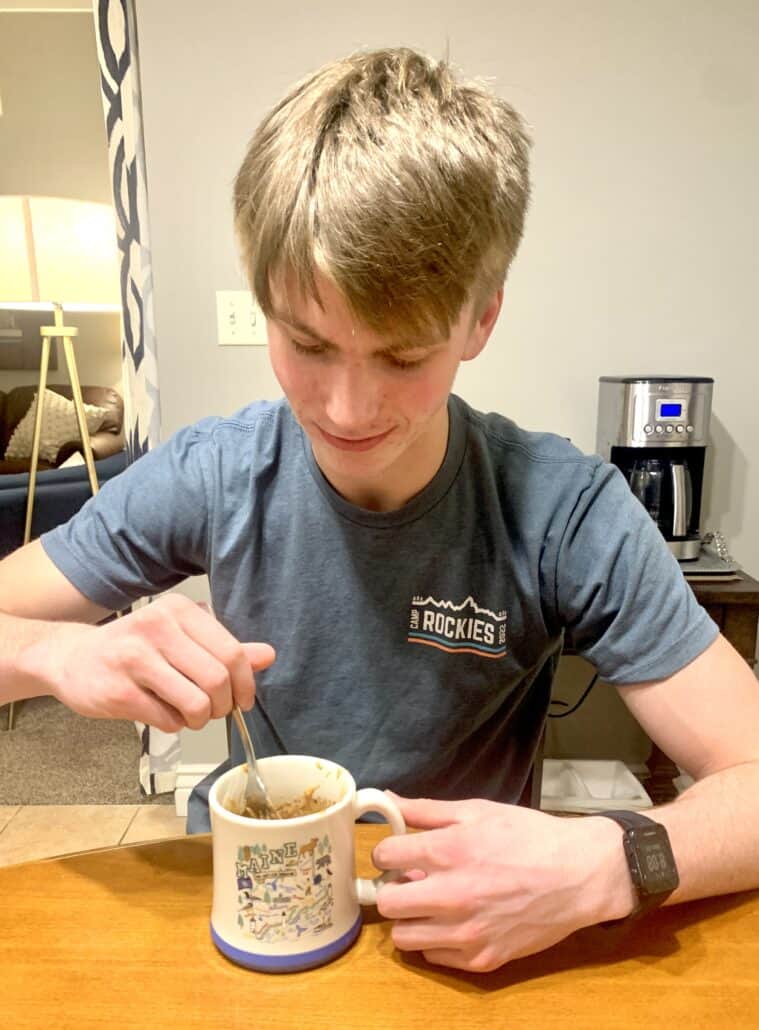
[[285, 893]]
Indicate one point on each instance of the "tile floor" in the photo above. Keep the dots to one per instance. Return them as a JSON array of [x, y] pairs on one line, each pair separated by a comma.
[[31, 832]]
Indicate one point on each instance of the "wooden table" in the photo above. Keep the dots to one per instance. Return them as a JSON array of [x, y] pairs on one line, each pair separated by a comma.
[[735, 609], [119, 938]]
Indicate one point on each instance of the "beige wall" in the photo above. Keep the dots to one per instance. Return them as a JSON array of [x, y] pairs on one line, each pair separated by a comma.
[[640, 252], [52, 130], [53, 143]]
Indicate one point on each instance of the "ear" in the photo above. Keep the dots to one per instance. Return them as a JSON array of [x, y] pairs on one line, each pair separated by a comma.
[[483, 327]]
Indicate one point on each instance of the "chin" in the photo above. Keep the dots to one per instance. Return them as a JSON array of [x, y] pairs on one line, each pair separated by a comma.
[[360, 463]]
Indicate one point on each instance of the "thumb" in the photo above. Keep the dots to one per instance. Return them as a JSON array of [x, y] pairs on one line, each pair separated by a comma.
[[259, 655], [427, 814]]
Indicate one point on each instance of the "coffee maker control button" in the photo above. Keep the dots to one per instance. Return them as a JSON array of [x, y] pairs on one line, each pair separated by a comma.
[[659, 429], [689, 429], [670, 429], [680, 429], [648, 429]]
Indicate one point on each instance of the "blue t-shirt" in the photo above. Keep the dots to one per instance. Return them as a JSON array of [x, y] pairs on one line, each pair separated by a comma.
[[416, 647]]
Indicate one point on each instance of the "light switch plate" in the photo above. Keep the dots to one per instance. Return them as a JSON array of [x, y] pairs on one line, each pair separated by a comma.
[[240, 321]]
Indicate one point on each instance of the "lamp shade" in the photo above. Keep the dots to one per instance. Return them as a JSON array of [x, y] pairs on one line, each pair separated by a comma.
[[55, 250]]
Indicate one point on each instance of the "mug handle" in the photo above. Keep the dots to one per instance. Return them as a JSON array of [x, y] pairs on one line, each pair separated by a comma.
[[369, 799]]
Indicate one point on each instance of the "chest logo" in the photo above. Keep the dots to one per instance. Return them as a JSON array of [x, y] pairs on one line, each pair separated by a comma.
[[464, 628]]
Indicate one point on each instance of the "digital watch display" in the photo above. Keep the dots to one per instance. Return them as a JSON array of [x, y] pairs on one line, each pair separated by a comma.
[[652, 866]]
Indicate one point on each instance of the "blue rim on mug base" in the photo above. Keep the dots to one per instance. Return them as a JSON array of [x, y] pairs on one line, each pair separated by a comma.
[[288, 963]]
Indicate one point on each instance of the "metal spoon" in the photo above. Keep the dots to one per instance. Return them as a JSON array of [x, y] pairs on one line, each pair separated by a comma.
[[256, 794]]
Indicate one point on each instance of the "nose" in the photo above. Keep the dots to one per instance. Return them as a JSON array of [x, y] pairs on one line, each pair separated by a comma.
[[352, 400]]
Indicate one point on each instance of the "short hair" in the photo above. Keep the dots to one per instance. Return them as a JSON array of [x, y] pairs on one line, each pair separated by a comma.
[[406, 187]]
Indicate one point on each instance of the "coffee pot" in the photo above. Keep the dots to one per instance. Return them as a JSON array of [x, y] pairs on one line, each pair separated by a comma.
[[665, 489], [655, 430]]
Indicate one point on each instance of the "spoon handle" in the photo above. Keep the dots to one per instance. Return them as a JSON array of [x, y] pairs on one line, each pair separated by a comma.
[[256, 788]]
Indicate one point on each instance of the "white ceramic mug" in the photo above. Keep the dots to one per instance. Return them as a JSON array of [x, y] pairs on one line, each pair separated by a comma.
[[285, 893]]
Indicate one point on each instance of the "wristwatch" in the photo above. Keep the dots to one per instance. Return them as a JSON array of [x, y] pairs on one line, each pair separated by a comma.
[[650, 860]]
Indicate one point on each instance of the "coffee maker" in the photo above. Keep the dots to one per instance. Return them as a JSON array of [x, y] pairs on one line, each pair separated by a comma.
[[655, 429]]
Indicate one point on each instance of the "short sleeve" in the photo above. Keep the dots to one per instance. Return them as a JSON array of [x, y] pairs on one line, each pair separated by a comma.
[[145, 531], [620, 594]]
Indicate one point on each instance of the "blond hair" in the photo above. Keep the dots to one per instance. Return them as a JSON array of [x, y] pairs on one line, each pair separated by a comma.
[[405, 187]]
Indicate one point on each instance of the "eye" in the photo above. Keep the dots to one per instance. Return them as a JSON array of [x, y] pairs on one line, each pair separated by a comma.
[[405, 364], [311, 349]]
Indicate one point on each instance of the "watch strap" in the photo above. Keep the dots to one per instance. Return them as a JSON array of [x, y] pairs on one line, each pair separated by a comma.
[[629, 820]]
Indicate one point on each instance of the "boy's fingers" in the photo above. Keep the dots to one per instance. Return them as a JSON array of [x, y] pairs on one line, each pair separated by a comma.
[[426, 814], [260, 656]]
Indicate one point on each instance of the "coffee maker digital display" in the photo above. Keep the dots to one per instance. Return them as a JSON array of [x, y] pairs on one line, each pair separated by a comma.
[[666, 409], [655, 429]]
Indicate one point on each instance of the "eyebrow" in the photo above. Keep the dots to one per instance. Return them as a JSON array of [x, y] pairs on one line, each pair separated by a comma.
[[396, 347]]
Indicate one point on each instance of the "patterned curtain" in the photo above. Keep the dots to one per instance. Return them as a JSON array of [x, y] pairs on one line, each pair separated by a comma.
[[122, 106]]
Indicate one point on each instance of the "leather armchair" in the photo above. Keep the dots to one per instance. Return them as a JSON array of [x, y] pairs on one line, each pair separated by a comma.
[[59, 492]]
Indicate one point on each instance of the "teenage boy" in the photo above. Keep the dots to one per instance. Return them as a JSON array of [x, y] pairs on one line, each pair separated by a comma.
[[414, 563]]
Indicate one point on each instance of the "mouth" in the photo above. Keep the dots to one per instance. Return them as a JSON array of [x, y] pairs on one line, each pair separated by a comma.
[[363, 443]]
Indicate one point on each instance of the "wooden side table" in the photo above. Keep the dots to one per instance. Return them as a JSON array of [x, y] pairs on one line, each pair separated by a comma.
[[735, 609]]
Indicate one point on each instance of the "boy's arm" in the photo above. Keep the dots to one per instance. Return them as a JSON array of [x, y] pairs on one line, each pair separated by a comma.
[[494, 882], [31, 586], [706, 719], [170, 664]]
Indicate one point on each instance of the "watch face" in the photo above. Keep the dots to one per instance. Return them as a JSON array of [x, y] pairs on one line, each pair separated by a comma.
[[656, 864]]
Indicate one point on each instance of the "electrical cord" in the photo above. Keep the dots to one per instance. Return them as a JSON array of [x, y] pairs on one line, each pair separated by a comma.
[[573, 709]]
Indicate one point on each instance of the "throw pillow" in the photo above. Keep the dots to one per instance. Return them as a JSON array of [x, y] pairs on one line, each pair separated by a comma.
[[59, 424]]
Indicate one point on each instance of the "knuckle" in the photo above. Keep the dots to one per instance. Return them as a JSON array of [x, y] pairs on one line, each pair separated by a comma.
[[377, 857], [198, 711], [484, 961], [385, 905], [441, 852], [145, 614], [216, 682], [231, 653], [149, 623], [167, 724], [130, 653], [121, 698], [464, 937], [482, 926]]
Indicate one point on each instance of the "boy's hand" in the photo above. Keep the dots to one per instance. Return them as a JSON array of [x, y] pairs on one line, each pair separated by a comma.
[[493, 882], [170, 664]]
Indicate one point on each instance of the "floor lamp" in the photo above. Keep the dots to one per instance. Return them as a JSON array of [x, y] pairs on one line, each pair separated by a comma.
[[57, 254]]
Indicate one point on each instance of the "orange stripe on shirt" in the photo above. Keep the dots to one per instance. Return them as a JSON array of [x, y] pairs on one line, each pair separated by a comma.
[[456, 650]]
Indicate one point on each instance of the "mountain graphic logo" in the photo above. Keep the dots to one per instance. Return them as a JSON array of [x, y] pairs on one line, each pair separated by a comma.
[[465, 628]]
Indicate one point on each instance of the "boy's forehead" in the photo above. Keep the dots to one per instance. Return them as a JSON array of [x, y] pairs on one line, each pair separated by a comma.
[[326, 315], [327, 310], [330, 318]]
